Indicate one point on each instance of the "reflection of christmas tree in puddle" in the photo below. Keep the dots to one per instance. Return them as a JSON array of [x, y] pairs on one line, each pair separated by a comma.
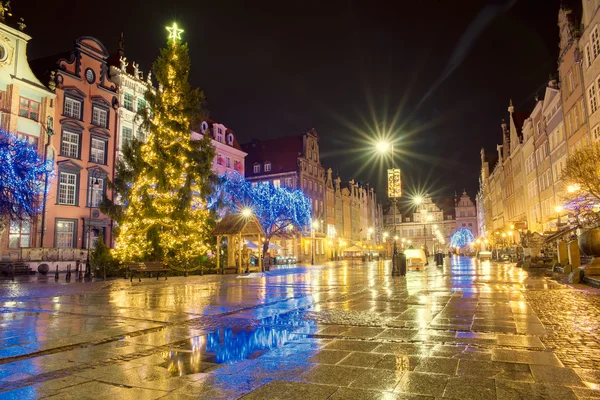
[[230, 345]]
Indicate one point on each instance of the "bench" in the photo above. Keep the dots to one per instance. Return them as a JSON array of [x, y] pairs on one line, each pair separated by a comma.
[[148, 267], [15, 268]]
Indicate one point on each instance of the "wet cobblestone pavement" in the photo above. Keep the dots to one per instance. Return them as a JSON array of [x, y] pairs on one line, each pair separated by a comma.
[[468, 330]]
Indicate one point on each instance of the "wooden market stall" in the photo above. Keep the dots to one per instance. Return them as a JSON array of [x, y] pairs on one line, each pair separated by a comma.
[[236, 228]]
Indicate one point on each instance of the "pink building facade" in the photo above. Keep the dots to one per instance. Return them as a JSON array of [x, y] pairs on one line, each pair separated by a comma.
[[83, 148]]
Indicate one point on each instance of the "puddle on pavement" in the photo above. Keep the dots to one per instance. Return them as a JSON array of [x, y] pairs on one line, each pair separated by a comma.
[[231, 345]]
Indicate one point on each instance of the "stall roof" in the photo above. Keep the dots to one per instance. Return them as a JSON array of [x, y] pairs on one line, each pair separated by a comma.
[[234, 224]]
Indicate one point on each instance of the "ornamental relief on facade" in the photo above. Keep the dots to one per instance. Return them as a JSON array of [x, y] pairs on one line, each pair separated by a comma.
[[6, 52]]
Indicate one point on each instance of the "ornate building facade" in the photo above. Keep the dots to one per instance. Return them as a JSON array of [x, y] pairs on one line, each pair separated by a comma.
[[27, 109]]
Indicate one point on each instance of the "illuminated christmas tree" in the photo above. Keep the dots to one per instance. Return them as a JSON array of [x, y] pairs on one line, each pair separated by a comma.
[[462, 238], [282, 212], [163, 183]]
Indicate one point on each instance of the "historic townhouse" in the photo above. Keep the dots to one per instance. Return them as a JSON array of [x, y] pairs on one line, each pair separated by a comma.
[[549, 127], [589, 45], [229, 155], [418, 223], [293, 162], [131, 88], [570, 70], [26, 109], [84, 145], [483, 200], [466, 214]]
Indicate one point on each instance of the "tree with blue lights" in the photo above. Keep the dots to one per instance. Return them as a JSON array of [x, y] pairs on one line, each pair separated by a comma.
[[22, 176], [462, 238], [280, 211]]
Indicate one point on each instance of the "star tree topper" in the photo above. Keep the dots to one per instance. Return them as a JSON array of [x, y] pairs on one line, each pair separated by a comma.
[[174, 32]]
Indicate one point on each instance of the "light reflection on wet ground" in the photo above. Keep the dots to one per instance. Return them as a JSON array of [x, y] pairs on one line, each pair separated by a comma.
[[339, 330]]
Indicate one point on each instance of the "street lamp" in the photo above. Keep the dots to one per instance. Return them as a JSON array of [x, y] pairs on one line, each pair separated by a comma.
[[314, 226], [383, 146], [558, 210], [96, 172]]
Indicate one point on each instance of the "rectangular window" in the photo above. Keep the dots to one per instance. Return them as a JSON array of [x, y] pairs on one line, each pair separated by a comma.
[[228, 162], [19, 234], [32, 140], [289, 182], [256, 169], [98, 151], [100, 117], [596, 132], [267, 167], [276, 183], [69, 146], [141, 135], [128, 101], [593, 101], [595, 42], [65, 233], [72, 108], [29, 109], [141, 104], [126, 135], [588, 56], [67, 188], [95, 191], [219, 159], [310, 186]]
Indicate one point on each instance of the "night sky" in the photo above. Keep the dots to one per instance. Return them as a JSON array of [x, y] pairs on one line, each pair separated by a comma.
[[438, 74]]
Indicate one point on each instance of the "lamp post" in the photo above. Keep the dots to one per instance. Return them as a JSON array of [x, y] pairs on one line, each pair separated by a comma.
[[558, 210], [382, 147], [94, 180], [385, 236], [314, 226]]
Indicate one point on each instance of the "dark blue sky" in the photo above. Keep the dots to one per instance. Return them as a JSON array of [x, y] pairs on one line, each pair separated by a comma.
[[446, 68]]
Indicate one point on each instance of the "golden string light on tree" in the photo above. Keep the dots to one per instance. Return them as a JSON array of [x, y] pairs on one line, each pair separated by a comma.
[[164, 182]]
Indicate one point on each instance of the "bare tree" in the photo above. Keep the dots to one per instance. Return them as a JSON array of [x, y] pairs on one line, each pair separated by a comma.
[[581, 179]]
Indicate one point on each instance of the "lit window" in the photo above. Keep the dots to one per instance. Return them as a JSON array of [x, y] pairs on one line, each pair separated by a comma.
[[69, 146], [67, 188], [596, 132], [256, 168], [72, 108], [65, 233], [267, 166], [29, 109], [593, 101], [98, 151], [219, 159], [128, 101], [100, 117], [595, 42], [32, 140], [19, 234], [276, 183]]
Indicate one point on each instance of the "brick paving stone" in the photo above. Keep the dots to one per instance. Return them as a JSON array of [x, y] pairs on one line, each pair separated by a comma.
[[456, 332]]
